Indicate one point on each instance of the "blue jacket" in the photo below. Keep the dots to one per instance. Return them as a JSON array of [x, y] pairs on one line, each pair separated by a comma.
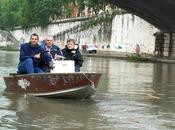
[[28, 51], [54, 50]]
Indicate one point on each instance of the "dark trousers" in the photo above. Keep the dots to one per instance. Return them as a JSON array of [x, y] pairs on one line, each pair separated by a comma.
[[77, 69], [28, 67]]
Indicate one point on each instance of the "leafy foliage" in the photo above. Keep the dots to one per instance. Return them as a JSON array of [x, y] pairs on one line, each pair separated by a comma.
[[25, 13]]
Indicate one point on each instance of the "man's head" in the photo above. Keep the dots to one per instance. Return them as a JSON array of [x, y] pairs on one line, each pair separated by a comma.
[[70, 43], [49, 41], [34, 39]]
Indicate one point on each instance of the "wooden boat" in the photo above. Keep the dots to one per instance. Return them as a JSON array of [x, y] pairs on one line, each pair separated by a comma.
[[55, 85]]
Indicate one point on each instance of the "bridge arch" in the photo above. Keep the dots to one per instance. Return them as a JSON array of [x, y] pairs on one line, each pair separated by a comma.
[[160, 13]]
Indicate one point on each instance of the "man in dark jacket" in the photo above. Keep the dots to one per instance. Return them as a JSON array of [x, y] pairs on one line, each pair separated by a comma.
[[31, 54], [53, 50], [71, 52]]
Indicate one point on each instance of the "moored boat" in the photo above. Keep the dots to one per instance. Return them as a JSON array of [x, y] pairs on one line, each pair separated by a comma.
[[56, 85]]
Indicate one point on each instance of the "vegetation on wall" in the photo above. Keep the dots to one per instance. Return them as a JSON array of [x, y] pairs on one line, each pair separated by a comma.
[[25, 13]]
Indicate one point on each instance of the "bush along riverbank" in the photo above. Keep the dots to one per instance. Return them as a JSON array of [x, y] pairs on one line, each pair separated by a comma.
[[139, 57]]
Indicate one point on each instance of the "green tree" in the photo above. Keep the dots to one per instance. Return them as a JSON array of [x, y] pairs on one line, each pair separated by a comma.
[[40, 12]]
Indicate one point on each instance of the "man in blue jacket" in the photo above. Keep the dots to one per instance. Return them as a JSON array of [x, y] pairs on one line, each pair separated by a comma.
[[31, 55], [53, 50]]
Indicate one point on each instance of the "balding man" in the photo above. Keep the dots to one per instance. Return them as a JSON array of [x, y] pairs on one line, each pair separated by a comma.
[[52, 50]]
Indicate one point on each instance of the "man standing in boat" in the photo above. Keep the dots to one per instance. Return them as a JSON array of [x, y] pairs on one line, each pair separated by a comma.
[[71, 52], [53, 50], [31, 55]]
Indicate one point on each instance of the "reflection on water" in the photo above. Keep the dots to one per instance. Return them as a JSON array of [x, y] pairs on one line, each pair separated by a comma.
[[39, 113], [164, 87], [130, 96]]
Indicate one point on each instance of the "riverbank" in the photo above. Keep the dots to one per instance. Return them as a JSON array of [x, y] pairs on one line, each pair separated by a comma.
[[130, 57]]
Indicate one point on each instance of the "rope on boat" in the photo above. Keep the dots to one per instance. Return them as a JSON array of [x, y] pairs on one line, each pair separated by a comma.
[[93, 86], [92, 83]]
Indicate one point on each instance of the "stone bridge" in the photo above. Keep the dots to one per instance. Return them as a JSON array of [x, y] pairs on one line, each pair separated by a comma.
[[161, 14]]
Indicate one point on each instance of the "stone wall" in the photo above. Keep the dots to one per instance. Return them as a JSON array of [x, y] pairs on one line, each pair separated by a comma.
[[128, 31]]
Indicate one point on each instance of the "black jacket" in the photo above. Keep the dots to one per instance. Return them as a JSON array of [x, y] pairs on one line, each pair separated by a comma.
[[73, 54]]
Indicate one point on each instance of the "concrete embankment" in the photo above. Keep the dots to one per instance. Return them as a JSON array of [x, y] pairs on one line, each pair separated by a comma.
[[128, 56], [107, 54]]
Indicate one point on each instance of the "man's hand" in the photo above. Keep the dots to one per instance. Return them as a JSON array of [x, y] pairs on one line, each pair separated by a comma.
[[48, 51], [57, 57], [37, 56]]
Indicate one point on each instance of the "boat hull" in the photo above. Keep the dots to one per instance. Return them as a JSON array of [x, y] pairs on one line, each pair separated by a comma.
[[66, 85]]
